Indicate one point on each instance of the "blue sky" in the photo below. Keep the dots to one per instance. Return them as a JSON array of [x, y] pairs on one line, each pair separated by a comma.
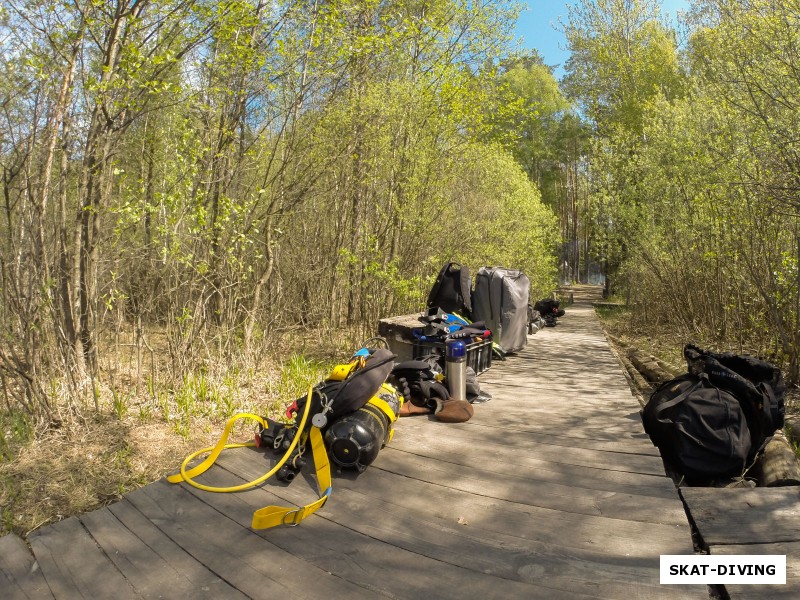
[[538, 27]]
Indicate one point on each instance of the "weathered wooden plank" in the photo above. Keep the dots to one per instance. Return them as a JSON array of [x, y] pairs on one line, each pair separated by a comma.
[[512, 428], [745, 516], [546, 387], [626, 437], [386, 567], [510, 446], [791, 590], [74, 566], [421, 528], [555, 357], [368, 564], [541, 426], [761, 592], [624, 427], [428, 524], [205, 583], [540, 403], [400, 326], [585, 422], [507, 516], [661, 506], [20, 576], [231, 550], [541, 470], [562, 366], [604, 408], [148, 574]]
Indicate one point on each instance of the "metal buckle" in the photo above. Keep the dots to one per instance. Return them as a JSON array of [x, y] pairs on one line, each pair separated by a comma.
[[293, 523]]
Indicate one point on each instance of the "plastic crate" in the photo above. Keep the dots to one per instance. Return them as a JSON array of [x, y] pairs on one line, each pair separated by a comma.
[[479, 354], [399, 334]]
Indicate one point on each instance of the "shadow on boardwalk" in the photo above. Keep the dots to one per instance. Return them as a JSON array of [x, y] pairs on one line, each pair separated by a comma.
[[551, 490]]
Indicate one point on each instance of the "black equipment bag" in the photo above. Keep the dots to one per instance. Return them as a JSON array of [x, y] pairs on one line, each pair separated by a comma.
[[348, 395], [700, 429], [452, 290], [548, 306], [758, 385]]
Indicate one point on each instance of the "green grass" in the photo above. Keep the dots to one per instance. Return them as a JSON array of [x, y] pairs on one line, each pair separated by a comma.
[[139, 433], [16, 429]]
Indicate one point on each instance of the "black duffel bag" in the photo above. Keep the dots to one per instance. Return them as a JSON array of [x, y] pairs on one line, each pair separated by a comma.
[[757, 384], [700, 429], [712, 422]]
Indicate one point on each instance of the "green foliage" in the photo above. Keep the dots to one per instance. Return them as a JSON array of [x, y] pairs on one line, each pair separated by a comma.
[[694, 175], [120, 403], [622, 57], [496, 217], [145, 414], [529, 115], [527, 106], [624, 60], [199, 175], [16, 430]]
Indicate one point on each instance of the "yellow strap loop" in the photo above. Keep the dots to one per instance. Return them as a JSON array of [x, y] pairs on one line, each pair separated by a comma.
[[188, 476], [271, 515]]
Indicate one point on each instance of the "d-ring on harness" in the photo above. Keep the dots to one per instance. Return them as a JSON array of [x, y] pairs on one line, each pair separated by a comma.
[[269, 516]]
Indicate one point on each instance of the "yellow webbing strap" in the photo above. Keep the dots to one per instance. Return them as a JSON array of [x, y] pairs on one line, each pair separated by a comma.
[[384, 407], [270, 515]]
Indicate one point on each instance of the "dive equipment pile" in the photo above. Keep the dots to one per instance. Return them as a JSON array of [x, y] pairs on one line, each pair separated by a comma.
[[350, 415]]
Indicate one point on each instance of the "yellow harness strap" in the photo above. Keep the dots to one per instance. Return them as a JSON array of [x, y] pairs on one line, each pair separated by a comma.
[[271, 515]]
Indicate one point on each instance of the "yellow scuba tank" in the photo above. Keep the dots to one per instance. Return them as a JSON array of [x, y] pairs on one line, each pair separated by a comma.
[[354, 440], [355, 408], [357, 436]]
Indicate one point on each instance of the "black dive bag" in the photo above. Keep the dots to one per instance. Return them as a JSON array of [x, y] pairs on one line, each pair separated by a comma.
[[354, 390], [711, 423], [757, 385], [700, 429], [452, 290]]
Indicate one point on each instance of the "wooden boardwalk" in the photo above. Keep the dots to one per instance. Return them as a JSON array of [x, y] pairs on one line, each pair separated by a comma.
[[754, 521], [551, 490]]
